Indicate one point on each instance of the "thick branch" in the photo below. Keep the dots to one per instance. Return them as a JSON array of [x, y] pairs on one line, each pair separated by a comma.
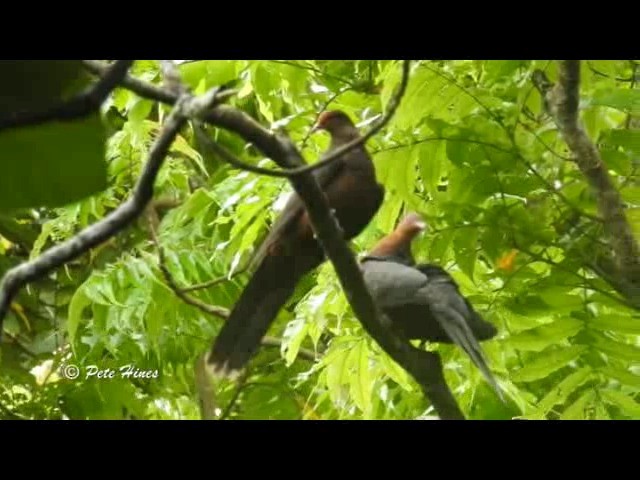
[[113, 223], [435, 387], [83, 104], [561, 101]]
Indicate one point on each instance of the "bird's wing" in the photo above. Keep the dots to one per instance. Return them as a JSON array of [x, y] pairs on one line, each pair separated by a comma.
[[294, 208], [452, 312], [391, 284], [482, 329]]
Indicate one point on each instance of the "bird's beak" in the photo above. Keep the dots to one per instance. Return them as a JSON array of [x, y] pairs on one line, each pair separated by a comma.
[[315, 128]]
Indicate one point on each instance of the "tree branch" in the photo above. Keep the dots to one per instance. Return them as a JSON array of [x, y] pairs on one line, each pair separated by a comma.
[[115, 221], [435, 387], [82, 104], [561, 101]]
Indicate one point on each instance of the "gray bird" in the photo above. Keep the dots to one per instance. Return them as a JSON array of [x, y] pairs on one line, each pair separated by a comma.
[[423, 301]]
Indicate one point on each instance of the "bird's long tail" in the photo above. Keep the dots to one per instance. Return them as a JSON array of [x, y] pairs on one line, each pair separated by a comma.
[[456, 327], [266, 292]]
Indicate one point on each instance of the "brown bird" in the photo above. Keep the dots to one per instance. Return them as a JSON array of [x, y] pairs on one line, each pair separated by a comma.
[[291, 250], [423, 301]]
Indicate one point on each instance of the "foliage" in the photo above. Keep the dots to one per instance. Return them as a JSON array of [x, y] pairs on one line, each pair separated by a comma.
[[30, 177], [509, 215]]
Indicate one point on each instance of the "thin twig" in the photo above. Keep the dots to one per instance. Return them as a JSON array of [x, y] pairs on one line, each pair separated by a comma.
[[82, 104], [240, 385], [602, 74], [442, 137], [215, 281]]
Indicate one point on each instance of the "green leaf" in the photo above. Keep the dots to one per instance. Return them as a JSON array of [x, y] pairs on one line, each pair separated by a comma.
[[431, 93], [441, 245], [548, 362], [622, 376], [627, 405], [622, 351], [336, 370], [631, 195], [45, 233], [214, 72], [624, 99], [140, 109], [37, 161], [627, 139], [539, 338], [430, 157], [361, 381], [633, 214], [500, 70], [76, 306], [616, 160], [616, 323], [293, 336], [564, 389], [579, 410], [464, 245], [395, 372], [559, 298], [396, 170]]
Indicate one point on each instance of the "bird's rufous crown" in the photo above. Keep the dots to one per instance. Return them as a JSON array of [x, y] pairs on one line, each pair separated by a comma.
[[326, 117]]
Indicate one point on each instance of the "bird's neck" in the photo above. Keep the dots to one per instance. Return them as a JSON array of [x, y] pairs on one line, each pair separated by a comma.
[[394, 244]]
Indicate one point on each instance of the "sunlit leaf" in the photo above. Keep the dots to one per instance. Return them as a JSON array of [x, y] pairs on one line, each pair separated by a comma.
[[627, 405], [548, 362], [539, 338], [563, 389], [579, 410]]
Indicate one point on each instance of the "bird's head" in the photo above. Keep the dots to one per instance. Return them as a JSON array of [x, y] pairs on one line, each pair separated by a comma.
[[398, 242], [337, 124], [411, 225]]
